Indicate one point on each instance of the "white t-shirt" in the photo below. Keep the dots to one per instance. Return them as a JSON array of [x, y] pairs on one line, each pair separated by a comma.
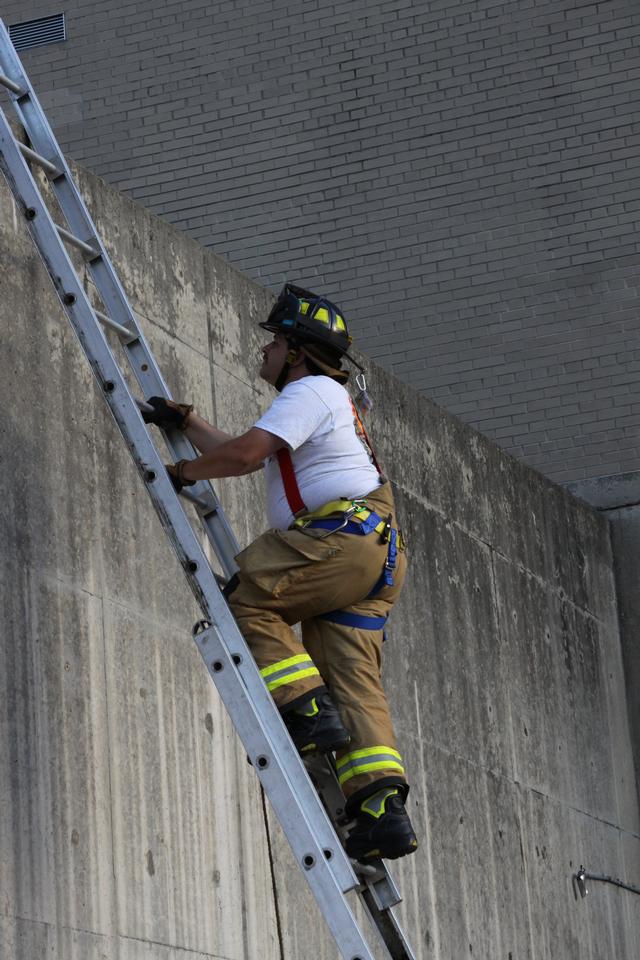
[[316, 418]]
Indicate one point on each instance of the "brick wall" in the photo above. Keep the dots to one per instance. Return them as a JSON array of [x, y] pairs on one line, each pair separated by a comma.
[[460, 176]]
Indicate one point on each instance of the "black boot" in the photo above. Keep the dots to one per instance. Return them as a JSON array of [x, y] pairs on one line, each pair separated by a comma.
[[382, 829], [315, 725]]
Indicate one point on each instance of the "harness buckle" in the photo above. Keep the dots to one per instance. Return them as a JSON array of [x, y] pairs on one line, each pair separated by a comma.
[[345, 520], [385, 535]]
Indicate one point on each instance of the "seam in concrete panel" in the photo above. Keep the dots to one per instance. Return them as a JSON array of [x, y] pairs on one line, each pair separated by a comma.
[[102, 936], [526, 885], [171, 334], [103, 598], [247, 383], [621, 639], [624, 640], [559, 592], [619, 506], [212, 383], [501, 640], [427, 844], [523, 785], [265, 816], [69, 585], [109, 758], [584, 813], [176, 947]]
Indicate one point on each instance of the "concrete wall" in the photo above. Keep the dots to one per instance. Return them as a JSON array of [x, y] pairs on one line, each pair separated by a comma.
[[460, 175], [618, 499], [132, 827]]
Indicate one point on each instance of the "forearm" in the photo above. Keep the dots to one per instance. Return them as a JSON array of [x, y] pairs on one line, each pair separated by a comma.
[[228, 458], [203, 435]]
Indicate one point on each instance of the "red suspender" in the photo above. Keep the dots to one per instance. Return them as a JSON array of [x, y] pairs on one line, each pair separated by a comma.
[[291, 488], [288, 474]]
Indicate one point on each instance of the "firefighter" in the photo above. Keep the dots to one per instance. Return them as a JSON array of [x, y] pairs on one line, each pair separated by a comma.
[[333, 561]]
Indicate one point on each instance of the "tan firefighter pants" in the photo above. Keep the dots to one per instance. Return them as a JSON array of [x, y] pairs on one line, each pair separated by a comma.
[[293, 576]]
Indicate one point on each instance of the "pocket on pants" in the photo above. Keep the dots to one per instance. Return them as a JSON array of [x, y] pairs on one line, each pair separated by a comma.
[[278, 558]]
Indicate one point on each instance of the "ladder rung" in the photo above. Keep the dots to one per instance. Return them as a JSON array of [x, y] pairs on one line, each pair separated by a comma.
[[124, 332], [89, 252], [9, 84], [195, 500], [46, 165]]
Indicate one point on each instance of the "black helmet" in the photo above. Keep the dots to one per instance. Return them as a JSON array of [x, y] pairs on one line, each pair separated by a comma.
[[304, 317]]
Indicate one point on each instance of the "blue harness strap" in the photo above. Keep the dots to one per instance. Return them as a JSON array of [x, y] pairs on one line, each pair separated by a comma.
[[346, 619], [334, 523], [386, 577], [372, 521]]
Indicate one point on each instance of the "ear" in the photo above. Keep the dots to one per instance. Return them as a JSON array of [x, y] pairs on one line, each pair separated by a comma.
[[295, 357]]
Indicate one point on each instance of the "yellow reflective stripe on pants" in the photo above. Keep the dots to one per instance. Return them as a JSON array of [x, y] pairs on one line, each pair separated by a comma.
[[288, 671], [367, 760]]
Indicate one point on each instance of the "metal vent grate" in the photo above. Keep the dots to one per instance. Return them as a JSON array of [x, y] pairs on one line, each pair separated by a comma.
[[35, 33]]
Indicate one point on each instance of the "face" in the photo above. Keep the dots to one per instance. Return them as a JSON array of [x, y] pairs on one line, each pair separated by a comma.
[[273, 358]]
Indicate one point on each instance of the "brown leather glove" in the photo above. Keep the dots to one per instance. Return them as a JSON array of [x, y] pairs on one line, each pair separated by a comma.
[[167, 413], [176, 475]]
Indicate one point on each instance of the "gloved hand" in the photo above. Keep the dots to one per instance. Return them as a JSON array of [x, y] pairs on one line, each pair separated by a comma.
[[176, 475], [167, 413]]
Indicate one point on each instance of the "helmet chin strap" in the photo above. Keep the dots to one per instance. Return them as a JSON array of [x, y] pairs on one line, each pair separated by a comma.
[[290, 358]]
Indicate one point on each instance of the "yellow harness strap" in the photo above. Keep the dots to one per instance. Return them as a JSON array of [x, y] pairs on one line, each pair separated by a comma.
[[356, 510], [327, 509]]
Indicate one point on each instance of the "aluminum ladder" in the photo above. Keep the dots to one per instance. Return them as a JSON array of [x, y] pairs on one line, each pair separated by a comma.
[[309, 813]]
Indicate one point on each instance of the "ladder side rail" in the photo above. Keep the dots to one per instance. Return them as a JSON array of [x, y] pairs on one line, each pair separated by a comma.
[[167, 503], [387, 926], [137, 350], [11, 68], [32, 117], [152, 383], [334, 905], [214, 520], [43, 140], [209, 509]]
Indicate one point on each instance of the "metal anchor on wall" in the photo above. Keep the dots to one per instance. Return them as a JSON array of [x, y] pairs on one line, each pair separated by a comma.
[[580, 882]]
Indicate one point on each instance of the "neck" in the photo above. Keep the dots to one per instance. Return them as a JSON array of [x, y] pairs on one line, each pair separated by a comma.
[[297, 373]]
